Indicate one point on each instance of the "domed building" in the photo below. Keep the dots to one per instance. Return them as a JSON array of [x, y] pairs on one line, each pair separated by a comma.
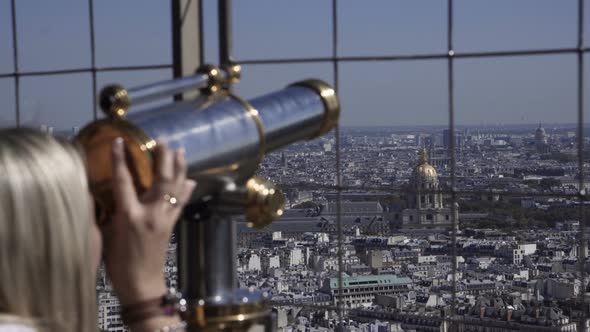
[[425, 205], [541, 140], [424, 177]]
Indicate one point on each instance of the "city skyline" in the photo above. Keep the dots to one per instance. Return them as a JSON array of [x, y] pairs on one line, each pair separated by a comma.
[[416, 229]]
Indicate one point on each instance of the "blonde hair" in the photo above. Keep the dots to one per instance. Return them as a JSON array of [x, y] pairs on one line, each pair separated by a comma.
[[45, 213]]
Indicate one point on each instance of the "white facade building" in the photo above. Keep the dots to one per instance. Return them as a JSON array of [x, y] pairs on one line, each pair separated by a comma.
[[109, 308], [254, 263]]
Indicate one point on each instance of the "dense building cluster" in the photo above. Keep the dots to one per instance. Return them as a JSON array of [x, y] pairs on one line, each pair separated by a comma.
[[513, 263], [527, 279], [394, 252]]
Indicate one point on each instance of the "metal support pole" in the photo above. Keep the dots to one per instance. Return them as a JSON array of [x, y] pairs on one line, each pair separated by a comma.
[[210, 257], [225, 32], [187, 39]]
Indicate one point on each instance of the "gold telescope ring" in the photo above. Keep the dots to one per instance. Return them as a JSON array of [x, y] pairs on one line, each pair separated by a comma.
[[172, 200]]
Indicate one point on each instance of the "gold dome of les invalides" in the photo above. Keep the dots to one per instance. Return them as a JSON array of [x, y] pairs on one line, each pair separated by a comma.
[[424, 170]]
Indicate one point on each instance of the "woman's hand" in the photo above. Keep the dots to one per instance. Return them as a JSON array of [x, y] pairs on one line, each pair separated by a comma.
[[136, 240]]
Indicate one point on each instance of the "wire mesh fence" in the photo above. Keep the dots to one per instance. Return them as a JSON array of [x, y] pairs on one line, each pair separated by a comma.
[[336, 60], [452, 190]]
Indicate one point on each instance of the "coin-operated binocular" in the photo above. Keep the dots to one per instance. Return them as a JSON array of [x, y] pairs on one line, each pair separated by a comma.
[[225, 138]]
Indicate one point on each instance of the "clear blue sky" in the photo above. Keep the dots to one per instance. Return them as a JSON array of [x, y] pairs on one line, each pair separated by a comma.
[[55, 35]]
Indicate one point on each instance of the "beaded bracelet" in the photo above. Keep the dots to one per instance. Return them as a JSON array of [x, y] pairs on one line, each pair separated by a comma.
[[168, 304]]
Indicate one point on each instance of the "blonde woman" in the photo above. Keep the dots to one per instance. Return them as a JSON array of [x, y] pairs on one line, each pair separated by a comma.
[[50, 246]]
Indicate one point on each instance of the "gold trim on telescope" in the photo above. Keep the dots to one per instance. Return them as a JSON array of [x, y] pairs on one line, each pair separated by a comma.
[[212, 317], [215, 81], [114, 101], [234, 73], [330, 100], [97, 140], [265, 202]]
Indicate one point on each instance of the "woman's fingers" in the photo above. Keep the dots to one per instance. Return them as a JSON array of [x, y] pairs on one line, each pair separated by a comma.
[[164, 163], [184, 195], [187, 189], [171, 190], [123, 189], [170, 173], [180, 194], [179, 166]]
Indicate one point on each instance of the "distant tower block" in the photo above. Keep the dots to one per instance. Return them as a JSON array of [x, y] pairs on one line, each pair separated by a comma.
[[459, 140]]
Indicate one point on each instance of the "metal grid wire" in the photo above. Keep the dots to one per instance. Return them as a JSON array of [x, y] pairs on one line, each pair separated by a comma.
[[454, 193], [335, 60], [93, 69]]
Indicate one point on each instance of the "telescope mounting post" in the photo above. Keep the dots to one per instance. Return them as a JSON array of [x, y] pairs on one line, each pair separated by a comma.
[[207, 257]]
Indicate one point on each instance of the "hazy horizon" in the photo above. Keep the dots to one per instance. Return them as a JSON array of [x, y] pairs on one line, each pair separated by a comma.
[[544, 125]]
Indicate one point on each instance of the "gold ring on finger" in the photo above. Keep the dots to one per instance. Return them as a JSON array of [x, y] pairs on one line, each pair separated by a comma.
[[172, 200]]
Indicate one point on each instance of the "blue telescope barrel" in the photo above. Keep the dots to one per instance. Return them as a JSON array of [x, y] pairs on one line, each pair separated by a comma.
[[222, 134]]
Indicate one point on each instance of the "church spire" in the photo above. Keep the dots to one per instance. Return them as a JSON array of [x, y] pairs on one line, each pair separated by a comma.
[[424, 156]]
